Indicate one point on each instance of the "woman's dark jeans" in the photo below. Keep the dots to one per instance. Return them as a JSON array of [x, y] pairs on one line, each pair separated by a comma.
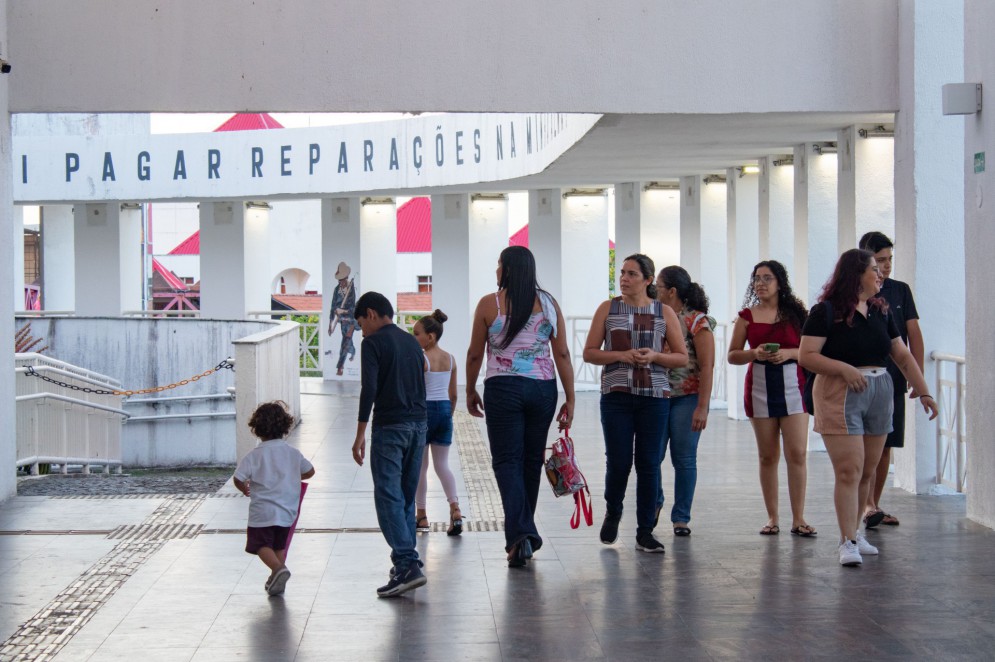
[[518, 413], [633, 426]]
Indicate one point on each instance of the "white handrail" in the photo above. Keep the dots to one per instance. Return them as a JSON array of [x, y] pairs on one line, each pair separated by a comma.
[[66, 373], [75, 401], [951, 432], [72, 369], [174, 417]]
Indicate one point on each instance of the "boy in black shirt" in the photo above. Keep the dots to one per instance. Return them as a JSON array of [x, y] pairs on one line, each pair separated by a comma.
[[393, 386], [901, 306]]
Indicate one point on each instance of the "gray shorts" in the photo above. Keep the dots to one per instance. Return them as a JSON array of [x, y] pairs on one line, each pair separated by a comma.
[[840, 410]]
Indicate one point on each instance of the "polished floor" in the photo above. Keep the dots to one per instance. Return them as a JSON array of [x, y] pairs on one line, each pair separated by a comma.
[[181, 588]]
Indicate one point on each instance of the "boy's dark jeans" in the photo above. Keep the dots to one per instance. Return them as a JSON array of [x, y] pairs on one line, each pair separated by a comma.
[[395, 462]]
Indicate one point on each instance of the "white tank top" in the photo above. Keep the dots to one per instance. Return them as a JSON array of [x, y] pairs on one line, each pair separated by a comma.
[[437, 383]]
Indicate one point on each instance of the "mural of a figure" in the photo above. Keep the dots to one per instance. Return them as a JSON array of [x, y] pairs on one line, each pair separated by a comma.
[[343, 313]]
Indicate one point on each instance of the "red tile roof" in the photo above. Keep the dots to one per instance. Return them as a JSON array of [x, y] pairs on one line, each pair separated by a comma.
[[189, 246], [168, 275], [521, 238], [249, 122], [414, 226], [299, 301], [414, 301]]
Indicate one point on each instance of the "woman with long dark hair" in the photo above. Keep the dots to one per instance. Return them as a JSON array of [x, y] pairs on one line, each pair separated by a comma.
[[627, 337], [690, 389], [771, 321], [848, 339], [523, 333]]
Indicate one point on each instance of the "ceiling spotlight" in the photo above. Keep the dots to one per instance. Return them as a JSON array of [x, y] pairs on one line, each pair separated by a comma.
[[877, 132], [824, 148], [581, 192], [749, 170], [258, 204], [715, 179], [376, 201], [662, 186], [786, 160], [488, 196]]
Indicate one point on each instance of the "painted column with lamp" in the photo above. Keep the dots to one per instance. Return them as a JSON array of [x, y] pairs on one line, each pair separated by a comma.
[[648, 220], [58, 257], [866, 183], [743, 236], [341, 268], [777, 212]]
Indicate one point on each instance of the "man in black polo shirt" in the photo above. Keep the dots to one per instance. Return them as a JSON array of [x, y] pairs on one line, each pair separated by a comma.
[[393, 387], [902, 307]]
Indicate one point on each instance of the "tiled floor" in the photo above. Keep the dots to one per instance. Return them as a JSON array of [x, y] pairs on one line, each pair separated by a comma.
[[723, 593]]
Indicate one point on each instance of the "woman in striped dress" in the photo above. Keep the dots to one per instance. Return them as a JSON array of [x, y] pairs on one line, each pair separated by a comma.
[[772, 315], [627, 337]]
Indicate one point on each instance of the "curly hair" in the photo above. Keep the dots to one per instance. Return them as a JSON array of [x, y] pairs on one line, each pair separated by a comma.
[[789, 307], [432, 324], [842, 290], [271, 420]]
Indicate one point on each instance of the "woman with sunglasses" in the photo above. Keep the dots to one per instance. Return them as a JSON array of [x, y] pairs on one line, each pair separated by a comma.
[[771, 321]]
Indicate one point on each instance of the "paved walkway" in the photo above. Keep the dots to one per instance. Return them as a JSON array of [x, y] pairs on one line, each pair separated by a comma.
[[164, 577]]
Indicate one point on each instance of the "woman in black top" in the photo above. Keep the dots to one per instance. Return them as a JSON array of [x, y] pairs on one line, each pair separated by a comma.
[[847, 343]]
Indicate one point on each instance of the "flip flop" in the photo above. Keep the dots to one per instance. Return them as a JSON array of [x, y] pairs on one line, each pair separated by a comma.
[[889, 520], [871, 520], [682, 531], [770, 530], [804, 531]]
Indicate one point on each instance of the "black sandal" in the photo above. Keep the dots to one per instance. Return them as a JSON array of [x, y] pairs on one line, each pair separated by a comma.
[[682, 531], [421, 524], [455, 522]]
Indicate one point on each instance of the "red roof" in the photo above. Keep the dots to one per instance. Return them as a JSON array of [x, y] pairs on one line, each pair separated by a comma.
[[299, 301], [249, 122], [168, 275], [414, 226], [189, 246], [414, 301]]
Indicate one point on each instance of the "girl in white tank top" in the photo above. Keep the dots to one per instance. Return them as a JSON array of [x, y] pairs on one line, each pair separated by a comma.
[[440, 395]]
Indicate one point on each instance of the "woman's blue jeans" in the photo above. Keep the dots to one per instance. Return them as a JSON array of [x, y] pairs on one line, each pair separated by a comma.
[[683, 455], [633, 426], [518, 413]]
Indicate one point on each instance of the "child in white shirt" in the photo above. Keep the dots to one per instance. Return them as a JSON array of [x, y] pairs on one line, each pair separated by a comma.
[[274, 471]]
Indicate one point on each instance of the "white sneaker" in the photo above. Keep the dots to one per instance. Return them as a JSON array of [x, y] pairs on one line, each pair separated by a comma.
[[864, 547], [849, 554]]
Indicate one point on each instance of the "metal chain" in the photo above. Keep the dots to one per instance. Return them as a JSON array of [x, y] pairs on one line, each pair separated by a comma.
[[224, 365]]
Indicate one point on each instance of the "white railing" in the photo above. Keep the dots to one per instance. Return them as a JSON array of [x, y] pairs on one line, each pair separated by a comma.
[[62, 425], [161, 313], [951, 428], [406, 318], [309, 346], [719, 391]]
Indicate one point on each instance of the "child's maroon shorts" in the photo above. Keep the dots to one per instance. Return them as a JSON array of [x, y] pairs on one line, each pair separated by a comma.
[[274, 537]]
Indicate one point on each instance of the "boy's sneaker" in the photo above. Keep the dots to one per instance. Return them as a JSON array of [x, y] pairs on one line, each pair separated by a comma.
[[279, 583], [849, 554], [402, 582], [865, 548], [647, 543], [609, 530]]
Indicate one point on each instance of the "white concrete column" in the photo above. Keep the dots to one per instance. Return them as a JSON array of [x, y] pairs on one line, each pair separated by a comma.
[[546, 239], [690, 244], [467, 238], [58, 257], [743, 214], [19, 213], [584, 257], [815, 192], [866, 186], [378, 247], [8, 446], [648, 222], [714, 274], [979, 138], [340, 242], [777, 231], [929, 233], [799, 272], [107, 244], [234, 260]]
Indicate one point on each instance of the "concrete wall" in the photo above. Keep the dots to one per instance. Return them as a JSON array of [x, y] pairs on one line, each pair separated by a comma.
[[979, 217], [563, 56], [8, 449]]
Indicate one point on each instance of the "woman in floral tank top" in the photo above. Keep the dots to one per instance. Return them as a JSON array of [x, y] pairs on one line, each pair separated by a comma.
[[690, 389]]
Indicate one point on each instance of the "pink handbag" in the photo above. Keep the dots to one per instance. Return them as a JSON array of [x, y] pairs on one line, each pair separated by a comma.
[[565, 478]]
